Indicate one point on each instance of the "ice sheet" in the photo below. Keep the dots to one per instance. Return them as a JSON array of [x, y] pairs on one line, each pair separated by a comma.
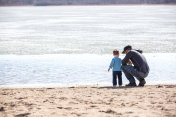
[[76, 69]]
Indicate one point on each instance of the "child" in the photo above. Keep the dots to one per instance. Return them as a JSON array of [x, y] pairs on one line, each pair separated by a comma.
[[115, 65]]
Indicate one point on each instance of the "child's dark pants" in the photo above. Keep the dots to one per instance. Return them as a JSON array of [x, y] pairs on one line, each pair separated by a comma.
[[115, 74]]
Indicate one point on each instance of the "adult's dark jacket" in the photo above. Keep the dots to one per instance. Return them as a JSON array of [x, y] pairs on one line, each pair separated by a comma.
[[138, 60]]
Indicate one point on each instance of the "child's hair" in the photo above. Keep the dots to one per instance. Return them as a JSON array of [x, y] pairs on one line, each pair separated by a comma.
[[115, 52]]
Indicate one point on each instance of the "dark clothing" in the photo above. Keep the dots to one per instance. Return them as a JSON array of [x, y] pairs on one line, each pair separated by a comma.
[[138, 60], [115, 74], [130, 72]]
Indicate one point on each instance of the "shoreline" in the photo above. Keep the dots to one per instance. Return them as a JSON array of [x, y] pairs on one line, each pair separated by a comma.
[[71, 86], [88, 101]]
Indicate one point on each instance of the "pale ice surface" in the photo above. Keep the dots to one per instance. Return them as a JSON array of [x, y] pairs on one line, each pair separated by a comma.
[[72, 45], [87, 29], [76, 69]]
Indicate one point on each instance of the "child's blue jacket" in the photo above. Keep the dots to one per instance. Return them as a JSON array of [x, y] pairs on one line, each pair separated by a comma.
[[116, 64]]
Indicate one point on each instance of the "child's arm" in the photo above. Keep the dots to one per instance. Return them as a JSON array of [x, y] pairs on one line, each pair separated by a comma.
[[111, 65], [109, 69]]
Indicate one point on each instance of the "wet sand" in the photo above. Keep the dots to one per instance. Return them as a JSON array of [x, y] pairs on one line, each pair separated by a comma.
[[89, 101]]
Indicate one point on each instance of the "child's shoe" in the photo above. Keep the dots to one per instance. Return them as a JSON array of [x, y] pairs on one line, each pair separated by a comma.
[[120, 85]]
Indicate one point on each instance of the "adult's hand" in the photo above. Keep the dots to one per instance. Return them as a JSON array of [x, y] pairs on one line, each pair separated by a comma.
[[129, 63]]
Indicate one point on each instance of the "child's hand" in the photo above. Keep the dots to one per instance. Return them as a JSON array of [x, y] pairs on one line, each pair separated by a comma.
[[108, 69]]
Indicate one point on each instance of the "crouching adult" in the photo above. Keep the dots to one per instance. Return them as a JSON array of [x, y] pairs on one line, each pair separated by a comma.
[[134, 64]]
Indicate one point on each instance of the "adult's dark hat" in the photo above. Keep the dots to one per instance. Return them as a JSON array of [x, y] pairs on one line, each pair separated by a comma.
[[128, 47]]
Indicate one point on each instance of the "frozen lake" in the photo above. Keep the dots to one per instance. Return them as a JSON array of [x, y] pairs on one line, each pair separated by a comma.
[[72, 45], [87, 29], [73, 69]]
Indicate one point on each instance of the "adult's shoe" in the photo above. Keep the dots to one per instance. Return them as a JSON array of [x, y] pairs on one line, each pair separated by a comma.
[[131, 85], [142, 83]]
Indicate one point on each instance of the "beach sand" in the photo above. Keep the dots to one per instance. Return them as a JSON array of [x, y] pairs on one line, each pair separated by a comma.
[[89, 101]]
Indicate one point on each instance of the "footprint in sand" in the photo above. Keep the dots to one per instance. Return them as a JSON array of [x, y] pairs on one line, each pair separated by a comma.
[[122, 104], [129, 112], [28, 104], [132, 105], [2, 109], [68, 108], [40, 90], [63, 98], [109, 111], [92, 106], [22, 115], [12, 105], [170, 86], [153, 102], [4, 94], [50, 88], [60, 107], [46, 100], [78, 115], [73, 103], [159, 86]]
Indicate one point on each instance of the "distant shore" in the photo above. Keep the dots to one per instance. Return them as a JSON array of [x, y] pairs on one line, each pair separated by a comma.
[[90, 5], [88, 101], [81, 2]]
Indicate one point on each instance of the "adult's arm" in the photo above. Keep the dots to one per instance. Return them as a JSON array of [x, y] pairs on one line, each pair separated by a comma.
[[127, 58]]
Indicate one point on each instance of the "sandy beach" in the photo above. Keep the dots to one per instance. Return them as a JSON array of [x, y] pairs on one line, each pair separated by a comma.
[[89, 101]]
